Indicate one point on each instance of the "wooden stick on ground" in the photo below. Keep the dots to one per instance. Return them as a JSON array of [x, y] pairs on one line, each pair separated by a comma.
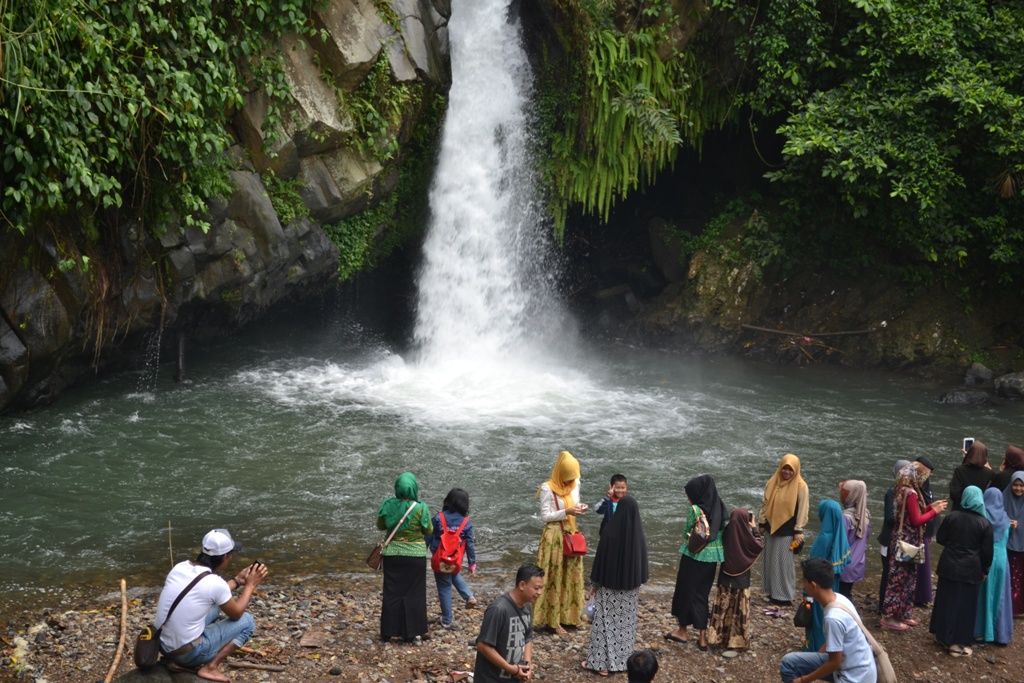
[[261, 667], [124, 629]]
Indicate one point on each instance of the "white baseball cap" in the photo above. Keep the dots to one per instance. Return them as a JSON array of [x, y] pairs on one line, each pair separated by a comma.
[[219, 542]]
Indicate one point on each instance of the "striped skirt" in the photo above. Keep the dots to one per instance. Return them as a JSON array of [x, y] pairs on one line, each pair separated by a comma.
[[778, 575]]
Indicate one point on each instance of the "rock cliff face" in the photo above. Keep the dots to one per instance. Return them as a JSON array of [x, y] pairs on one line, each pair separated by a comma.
[[62, 318]]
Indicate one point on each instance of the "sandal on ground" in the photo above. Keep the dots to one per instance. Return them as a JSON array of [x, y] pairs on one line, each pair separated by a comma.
[[894, 625], [959, 651], [559, 631], [599, 672], [178, 668], [676, 639], [910, 622]]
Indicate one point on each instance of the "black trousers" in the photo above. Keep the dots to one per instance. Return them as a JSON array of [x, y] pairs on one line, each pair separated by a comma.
[[693, 586]]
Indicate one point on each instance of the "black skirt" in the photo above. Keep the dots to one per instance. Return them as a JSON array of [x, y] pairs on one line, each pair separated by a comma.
[[956, 603], [693, 586], [403, 611]]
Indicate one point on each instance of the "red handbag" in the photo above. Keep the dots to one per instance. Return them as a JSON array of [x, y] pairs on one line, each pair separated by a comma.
[[574, 543]]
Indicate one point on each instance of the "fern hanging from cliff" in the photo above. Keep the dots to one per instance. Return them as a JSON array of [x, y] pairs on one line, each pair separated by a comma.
[[636, 111]]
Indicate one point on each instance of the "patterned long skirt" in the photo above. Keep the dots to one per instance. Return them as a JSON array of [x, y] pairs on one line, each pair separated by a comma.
[[778, 575], [561, 603], [1016, 563], [730, 619], [899, 594], [613, 634]]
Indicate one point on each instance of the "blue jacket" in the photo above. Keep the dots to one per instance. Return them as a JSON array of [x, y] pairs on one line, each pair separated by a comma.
[[606, 508], [453, 520]]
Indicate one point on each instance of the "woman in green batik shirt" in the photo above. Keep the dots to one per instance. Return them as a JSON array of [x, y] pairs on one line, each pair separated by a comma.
[[697, 570], [403, 612]]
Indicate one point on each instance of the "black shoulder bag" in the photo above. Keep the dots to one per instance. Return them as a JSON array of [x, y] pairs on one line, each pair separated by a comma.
[[147, 645]]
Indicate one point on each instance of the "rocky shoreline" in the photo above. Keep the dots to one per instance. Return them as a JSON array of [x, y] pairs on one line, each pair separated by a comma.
[[325, 629]]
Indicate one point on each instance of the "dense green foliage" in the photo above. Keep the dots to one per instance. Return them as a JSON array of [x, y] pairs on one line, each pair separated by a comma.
[[119, 108], [623, 114], [377, 107], [902, 126]]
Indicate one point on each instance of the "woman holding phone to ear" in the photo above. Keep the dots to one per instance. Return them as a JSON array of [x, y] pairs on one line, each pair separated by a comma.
[[973, 471]]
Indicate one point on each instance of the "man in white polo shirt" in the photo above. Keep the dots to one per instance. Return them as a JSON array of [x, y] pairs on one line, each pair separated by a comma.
[[197, 637]]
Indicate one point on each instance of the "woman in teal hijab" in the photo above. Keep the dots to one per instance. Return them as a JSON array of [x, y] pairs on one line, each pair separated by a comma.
[[832, 545], [967, 540], [403, 613]]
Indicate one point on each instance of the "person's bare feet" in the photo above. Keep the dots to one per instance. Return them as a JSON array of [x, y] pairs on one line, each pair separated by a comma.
[[212, 674]]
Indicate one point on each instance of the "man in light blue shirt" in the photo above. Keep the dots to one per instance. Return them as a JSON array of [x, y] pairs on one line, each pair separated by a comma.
[[846, 655]]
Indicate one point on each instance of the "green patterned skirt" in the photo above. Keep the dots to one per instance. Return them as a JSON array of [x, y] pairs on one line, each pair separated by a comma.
[[561, 603]]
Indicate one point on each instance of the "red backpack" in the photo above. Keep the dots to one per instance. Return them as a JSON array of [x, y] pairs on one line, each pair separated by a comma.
[[447, 559]]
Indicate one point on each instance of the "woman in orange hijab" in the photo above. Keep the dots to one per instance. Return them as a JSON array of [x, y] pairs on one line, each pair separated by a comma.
[[782, 520], [561, 603]]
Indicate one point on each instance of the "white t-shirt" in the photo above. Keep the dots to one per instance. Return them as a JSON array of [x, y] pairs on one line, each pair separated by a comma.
[[189, 618], [842, 634]]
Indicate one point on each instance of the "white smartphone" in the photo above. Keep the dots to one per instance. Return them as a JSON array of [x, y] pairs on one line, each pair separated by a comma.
[[968, 442]]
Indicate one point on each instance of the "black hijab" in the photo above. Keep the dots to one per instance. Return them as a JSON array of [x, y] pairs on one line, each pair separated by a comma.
[[702, 492], [621, 560]]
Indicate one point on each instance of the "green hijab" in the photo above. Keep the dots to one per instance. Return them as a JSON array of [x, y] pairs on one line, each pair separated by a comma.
[[406, 489], [973, 500]]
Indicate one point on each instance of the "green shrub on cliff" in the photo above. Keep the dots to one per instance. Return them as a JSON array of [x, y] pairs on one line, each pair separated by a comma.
[[112, 110], [902, 125]]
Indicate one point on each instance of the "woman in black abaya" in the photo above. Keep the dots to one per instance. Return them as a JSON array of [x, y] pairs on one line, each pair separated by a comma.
[[620, 567]]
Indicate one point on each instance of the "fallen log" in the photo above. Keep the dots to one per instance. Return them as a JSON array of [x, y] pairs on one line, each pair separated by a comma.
[[790, 333]]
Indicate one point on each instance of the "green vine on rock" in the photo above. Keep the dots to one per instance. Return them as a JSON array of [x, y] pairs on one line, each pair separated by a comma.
[[377, 107]]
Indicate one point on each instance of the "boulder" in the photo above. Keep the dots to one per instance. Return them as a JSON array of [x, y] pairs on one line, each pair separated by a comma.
[[13, 360], [1010, 386], [425, 33], [32, 306], [966, 398], [978, 374], [355, 29]]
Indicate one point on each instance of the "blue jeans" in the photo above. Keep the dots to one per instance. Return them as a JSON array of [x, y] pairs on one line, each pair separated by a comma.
[[797, 664], [444, 593], [217, 634]]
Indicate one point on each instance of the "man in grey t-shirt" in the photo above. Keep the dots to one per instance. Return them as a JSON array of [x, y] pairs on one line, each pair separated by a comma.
[[505, 643], [846, 655]]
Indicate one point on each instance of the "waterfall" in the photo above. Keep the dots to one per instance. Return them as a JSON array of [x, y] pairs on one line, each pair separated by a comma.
[[487, 278]]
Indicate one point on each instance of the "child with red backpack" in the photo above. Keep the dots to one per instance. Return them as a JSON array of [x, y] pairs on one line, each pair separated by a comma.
[[452, 539]]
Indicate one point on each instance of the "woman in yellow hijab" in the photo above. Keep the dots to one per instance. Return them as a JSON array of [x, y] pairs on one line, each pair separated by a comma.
[[561, 603], [782, 520]]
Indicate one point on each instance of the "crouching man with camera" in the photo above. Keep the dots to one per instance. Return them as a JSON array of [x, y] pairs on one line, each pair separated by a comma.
[[196, 637]]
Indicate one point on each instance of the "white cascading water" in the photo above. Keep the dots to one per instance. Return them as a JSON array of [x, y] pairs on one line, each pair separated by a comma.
[[485, 282], [493, 345]]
